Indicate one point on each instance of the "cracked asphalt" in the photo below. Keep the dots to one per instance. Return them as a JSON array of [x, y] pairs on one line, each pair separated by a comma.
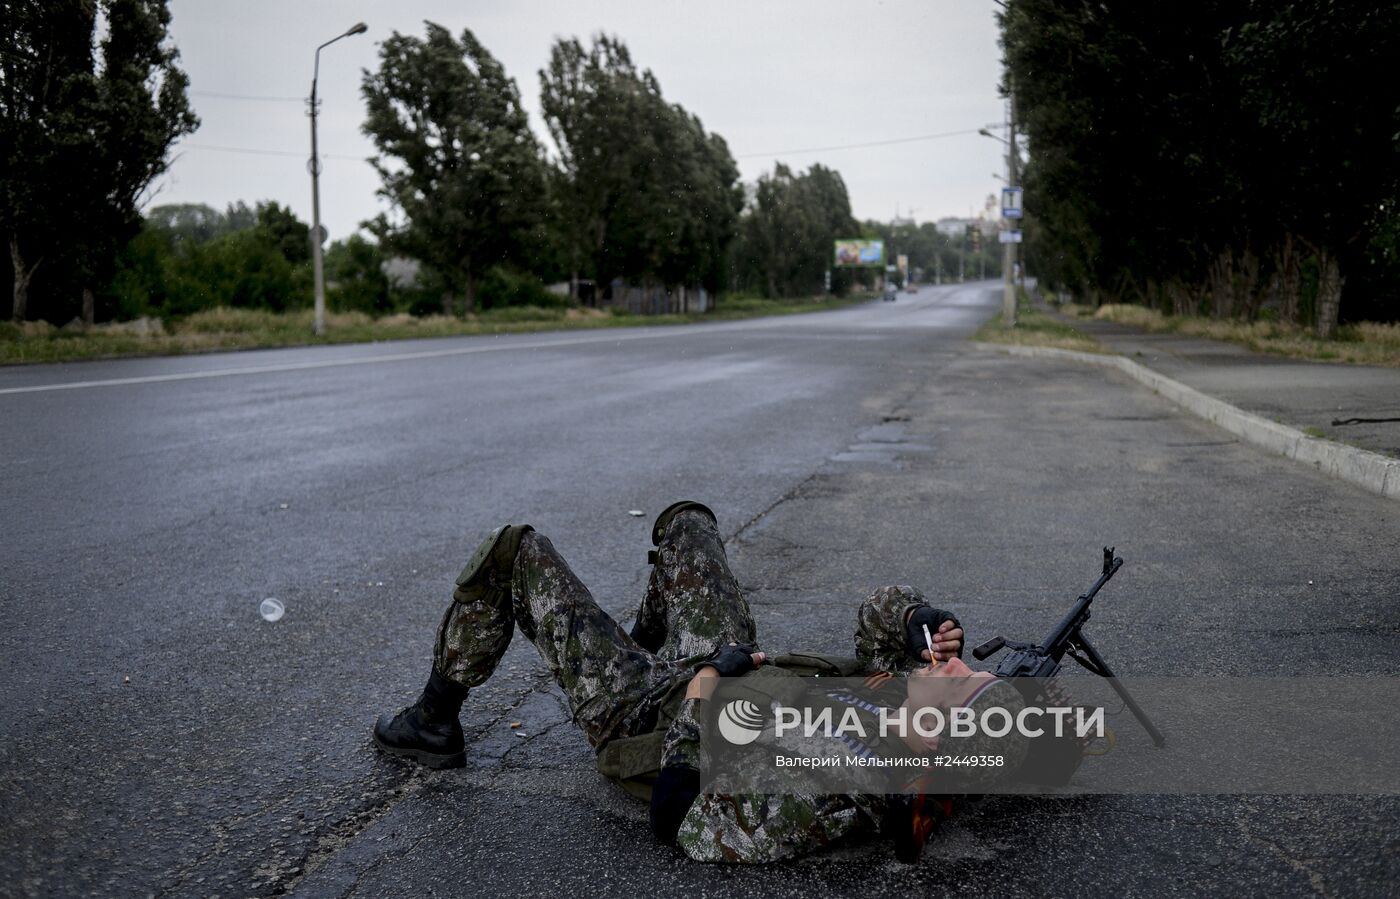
[[157, 737]]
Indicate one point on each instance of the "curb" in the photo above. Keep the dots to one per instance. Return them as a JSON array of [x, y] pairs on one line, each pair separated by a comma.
[[1368, 470]]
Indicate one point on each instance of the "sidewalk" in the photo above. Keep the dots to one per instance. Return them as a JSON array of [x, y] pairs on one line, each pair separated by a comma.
[[1305, 395], [1300, 409]]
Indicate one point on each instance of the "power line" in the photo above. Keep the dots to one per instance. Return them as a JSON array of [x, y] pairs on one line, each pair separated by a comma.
[[873, 143], [218, 95], [252, 151]]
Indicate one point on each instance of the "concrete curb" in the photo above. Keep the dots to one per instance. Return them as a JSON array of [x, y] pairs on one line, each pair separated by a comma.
[[1366, 469]]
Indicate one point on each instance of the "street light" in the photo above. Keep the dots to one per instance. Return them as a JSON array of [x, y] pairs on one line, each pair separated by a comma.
[[318, 326], [1008, 302], [1009, 298]]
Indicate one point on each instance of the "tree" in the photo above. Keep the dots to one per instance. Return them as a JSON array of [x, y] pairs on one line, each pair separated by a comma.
[[457, 158], [193, 222], [355, 271], [1194, 155], [789, 228], [84, 142], [289, 234], [591, 104], [643, 191], [46, 62], [1317, 78]]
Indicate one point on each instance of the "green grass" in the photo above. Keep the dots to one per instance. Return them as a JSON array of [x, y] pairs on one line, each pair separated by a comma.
[[1363, 343], [1035, 328], [236, 329]]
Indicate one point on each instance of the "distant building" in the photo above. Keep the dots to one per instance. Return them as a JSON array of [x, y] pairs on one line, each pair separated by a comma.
[[951, 226], [954, 227]]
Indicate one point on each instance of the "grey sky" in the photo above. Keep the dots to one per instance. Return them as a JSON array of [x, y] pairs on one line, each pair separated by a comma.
[[769, 76]]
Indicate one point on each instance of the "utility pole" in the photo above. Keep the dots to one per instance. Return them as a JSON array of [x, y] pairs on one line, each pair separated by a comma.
[[318, 276], [1008, 301]]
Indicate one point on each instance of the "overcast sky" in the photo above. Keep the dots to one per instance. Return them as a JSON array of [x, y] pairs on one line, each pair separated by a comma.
[[777, 78]]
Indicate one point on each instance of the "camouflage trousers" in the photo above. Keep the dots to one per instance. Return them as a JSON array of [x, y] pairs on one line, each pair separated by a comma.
[[614, 684]]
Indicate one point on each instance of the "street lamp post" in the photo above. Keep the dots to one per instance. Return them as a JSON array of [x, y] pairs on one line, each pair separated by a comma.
[[1008, 262], [318, 326], [1008, 300]]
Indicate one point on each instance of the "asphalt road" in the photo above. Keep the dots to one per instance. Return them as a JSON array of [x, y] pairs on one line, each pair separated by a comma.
[[157, 736]]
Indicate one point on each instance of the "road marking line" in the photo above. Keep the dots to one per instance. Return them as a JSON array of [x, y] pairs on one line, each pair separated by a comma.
[[328, 363], [401, 357]]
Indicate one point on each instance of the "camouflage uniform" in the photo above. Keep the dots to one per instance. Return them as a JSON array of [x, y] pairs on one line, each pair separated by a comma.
[[755, 828], [617, 688]]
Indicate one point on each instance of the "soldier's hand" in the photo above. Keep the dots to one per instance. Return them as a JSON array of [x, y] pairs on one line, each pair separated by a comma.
[[947, 642], [734, 660], [946, 631]]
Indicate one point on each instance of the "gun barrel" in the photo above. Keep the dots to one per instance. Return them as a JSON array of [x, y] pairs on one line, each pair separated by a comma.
[[1058, 640]]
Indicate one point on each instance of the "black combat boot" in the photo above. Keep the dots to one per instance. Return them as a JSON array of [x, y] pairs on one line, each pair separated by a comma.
[[427, 731]]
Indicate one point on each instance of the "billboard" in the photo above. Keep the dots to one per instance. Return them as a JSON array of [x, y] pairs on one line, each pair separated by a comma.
[[857, 252]]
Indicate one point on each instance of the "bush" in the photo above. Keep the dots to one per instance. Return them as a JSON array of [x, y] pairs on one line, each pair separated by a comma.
[[524, 314], [355, 279], [223, 320], [503, 287]]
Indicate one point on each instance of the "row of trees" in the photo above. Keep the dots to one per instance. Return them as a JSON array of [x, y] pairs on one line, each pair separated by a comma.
[[1212, 155], [937, 254], [86, 129], [190, 257], [637, 189]]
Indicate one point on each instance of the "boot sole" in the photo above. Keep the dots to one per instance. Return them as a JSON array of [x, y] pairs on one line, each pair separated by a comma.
[[422, 757]]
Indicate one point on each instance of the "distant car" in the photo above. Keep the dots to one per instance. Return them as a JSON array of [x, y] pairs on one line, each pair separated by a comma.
[[891, 293]]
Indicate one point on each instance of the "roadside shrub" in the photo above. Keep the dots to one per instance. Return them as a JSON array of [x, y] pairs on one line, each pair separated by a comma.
[[224, 320], [503, 287], [355, 279], [523, 314]]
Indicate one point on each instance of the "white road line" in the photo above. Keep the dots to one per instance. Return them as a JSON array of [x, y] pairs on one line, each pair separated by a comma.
[[614, 337], [332, 363]]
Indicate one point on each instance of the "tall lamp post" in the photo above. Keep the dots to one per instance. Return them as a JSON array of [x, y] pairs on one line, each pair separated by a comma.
[[318, 326], [1008, 305], [1008, 300]]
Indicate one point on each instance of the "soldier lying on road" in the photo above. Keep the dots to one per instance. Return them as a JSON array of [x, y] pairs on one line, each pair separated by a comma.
[[646, 692]]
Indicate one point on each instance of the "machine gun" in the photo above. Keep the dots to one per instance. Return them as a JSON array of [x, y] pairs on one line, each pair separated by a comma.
[[1043, 660]]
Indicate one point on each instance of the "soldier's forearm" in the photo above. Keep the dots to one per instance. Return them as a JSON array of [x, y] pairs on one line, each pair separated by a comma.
[[702, 686]]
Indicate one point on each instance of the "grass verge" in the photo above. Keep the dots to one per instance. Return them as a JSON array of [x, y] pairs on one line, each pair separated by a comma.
[[1035, 328], [238, 329], [1364, 343]]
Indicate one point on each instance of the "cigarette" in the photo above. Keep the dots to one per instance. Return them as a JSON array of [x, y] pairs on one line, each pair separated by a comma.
[[928, 638]]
